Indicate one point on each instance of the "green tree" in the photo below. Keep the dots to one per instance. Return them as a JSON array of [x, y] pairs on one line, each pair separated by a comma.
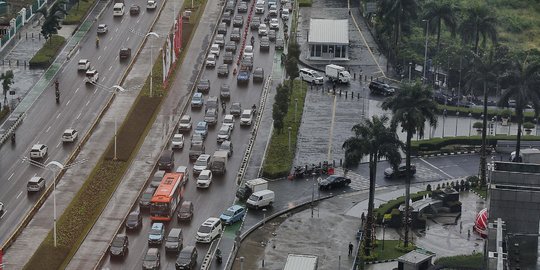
[[277, 116], [479, 22], [282, 98], [291, 67], [7, 81], [411, 108], [376, 139], [293, 50], [51, 25], [521, 84], [483, 75], [438, 12], [397, 14]]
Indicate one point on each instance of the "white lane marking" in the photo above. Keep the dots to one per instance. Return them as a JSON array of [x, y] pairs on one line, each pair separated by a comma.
[[116, 30], [99, 57], [49, 128], [95, 91], [88, 102], [104, 48], [76, 90], [111, 66], [58, 144], [79, 115], [436, 168], [332, 129], [19, 195], [138, 21], [67, 103], [58, 115], [127, 39], [11, 176]]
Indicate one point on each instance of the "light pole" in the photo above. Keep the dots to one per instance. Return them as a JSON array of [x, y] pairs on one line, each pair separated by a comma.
[[443, 120], [61, 167], [295, 108], [425, 50], [241, 263], [117, 89], [290, 128], [495, 125], [383, 227], [312, 192], [151, 63], [410, 67], [457, 116], [470, 127]]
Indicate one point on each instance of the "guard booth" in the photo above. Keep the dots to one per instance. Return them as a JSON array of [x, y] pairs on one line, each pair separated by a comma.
[[415, 260]]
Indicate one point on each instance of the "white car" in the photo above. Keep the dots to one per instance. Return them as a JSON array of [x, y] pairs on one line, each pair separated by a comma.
[[285, 14], [263, 30], [224, 133], [38, 151], [211, 60], [83, 65], [102, 29], [69, 135], [177, 141], [92, 76], [273, 10], [185, 123], [151, 4], [184, 170], [246, 118], [274, 24], [35, 184], [205, 179], [248, 51], [202, 163], [229, 121], [215, 49], [209, 230]]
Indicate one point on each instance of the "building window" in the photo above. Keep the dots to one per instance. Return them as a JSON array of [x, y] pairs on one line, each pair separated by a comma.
[[312, 51], [344, 51], [325, 48], [337, 53], [317, 50]]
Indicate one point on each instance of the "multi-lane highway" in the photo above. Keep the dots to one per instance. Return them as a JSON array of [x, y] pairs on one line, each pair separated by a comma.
[[213, 201], [79, 106]]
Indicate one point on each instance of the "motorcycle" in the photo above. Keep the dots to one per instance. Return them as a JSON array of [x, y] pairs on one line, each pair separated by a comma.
[[299, 171], [97, 42], [219, 258], [252, 41], [13, 138]]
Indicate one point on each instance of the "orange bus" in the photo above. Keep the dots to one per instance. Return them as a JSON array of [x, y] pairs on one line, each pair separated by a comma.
[[167, 197]]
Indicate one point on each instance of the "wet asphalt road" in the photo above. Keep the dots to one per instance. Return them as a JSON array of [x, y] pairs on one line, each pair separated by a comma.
[[219, 196], [79, 105]]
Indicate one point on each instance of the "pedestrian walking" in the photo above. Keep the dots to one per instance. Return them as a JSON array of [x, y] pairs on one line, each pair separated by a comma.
[[350, 248]]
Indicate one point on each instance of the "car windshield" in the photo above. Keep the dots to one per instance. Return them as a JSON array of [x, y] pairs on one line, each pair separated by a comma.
[[184, 209], [245, 115], [178, 139], [184, 255], [225, 146], [204, 177], [172, 239], [155, 231], [205, 229], [235, 106], [228, 121], [118, 242], [147, 196], [133, 217], [201, 127], [254, 197], [249, 49], [150, 257], [228, 213], [184, 121], [223, 131], [201, 162]]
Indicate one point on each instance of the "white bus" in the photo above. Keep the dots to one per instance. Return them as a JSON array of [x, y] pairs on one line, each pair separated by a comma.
[[118, 9]]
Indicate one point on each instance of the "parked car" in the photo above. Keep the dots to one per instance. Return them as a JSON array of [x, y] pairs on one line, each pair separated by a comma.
[[223, 70], [202, 129], [156, 234], [69, 135], [401, 171], [197, 101], [134, 220], [236, 109], [258, 74], [233, 214], [203, 86], [152, 259], [381, 88], [119, 246], [224, 133], [334, 181], [146, 197], [185, 123], [177, 141], [226, 146], [35, 184], [225, 91], [187, 259], [228, 58], [205, 179], [185, 212]]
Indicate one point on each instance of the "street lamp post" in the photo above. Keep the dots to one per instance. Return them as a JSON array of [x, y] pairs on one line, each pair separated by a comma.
[[457, 116], [410, 67], [151, 63], [116, 90], [312, 192], [470, 127], [290, 128], [443, 120], [425, 50], [383, 227], [295, 108]]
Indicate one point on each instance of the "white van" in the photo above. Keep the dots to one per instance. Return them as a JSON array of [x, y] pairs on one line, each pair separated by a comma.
[[118, 9], [260, 199], [209, 230], [311, 76]]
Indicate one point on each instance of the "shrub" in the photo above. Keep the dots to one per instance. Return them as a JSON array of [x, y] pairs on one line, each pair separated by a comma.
[[403, 249], [506, 113], [428, 188], [386, 208], [45, 56], [528, 125], [478, 125], [474, 261], [304, 3]]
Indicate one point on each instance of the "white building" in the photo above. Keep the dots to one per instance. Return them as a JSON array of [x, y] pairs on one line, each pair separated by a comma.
[[328, 39]]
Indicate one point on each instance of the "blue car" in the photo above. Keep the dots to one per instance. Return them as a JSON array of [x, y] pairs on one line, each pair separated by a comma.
[[243, 76], [233, 214], [197, 101], [202, 129], [156, 234]]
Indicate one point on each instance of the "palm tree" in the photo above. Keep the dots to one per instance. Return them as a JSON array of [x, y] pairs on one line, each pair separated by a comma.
[[411, 108], [438, 12], [377, 140], [479, 22], [521, 81], [52, 18], [483, 74], [398, 13], [7, 80]]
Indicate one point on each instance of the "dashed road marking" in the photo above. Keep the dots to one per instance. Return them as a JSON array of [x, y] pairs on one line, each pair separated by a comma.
[[47, 130], [332, 129], [58, 116], [11, 176], [99, 57], [67, 103], [19, 195], [79, 115], [77, 90], [88, 102], [435, 167], [58, 144]]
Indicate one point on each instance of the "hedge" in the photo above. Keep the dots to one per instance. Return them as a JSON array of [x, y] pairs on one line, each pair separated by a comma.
[[474, 261], [305, 3], [387, 207], [46, 55], [477, 112], [435, 144]]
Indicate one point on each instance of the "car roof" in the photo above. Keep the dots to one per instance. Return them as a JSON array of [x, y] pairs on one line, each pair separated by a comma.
[[121, 235], [150, 190], [102, 25], [186, 203], [235, 207], [197, 94], [181, 168], [204, 157], [246, 112], [37, 146], [178, 135], [157, 225], [205, 172], [69, 130], [201, 123], [210, 221], [83, 61], [34, 179], [227, 127], [186, 116], [152, 251], [229, 116], [227, 142]]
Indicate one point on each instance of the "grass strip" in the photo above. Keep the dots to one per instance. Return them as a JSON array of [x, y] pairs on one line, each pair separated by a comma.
[[474, 261], [87, 205], [279, 159], [78, 11], [305, 3], [45, 56], [390, 251]]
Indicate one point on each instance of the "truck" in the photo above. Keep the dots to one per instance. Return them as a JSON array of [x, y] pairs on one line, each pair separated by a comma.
[[528, 155], [337, 73], [218, 163], [301, 262], [251, 186]]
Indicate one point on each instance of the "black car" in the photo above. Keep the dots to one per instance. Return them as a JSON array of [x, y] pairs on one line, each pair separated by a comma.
[[223, 70], [230, 6], [230, 47], [334, 181], [236, 109], [187, 259], [238, 21], [242, 7], [186, 211], [144, 201], [236, 35], [381, 88], [119, 246], [152, 259], [203, 86], [134, 220], [258, 74], [226, 18], [255, 23], [272, 35], [222, 28], [228, 58], [400, 172], [279, 44]]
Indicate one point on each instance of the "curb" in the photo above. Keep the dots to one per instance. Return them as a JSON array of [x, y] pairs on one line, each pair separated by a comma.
[[383, 261], [448, 154]]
